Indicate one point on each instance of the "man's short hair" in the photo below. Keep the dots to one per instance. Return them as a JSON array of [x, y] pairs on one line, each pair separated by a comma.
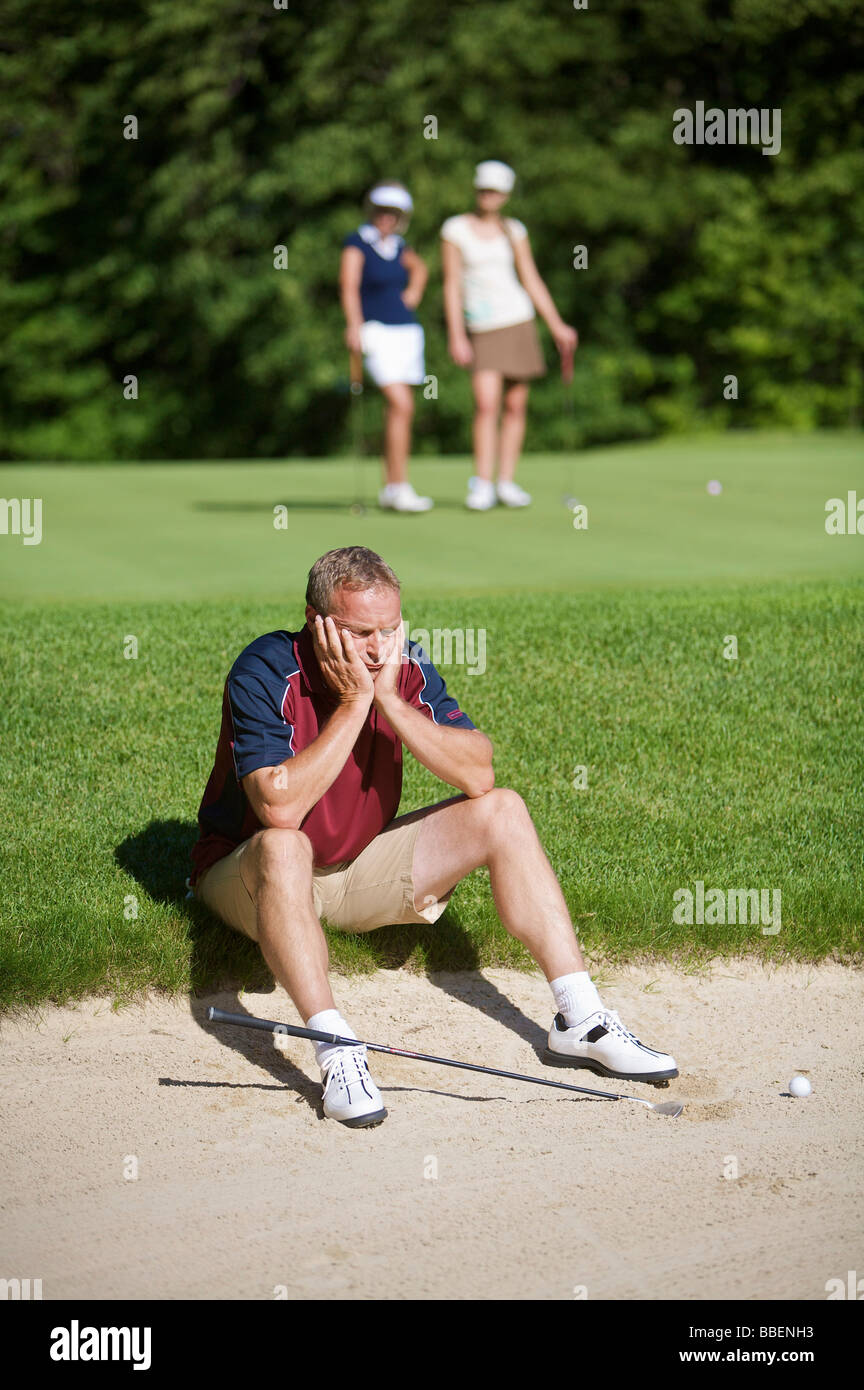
[[352, 567]]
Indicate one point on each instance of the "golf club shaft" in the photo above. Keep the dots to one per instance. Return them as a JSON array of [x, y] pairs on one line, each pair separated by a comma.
[[267, 1026], [356, 383], [356, 365], [570, 415]]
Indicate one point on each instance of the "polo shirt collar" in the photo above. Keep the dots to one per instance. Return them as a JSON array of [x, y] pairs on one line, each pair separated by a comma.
[[388, 247]]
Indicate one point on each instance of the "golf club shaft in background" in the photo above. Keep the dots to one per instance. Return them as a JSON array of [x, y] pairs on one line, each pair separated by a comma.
[[356, 384], [570, 415], [567, 366], [356, 372], [267, 1026]]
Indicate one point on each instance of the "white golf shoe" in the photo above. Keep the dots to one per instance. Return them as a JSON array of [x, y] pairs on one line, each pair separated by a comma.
[[603, 1045], [512, 495], [350, 1094], [481, 495], [401, 497]]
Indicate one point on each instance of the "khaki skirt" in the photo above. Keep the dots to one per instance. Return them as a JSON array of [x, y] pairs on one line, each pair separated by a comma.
[[513, 351]]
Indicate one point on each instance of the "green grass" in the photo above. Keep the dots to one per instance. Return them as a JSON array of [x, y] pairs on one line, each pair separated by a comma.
[[745, 774], [205, 531], [604, 649]]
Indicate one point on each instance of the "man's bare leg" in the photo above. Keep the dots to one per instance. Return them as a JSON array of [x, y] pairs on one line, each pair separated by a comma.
[[276, 867], [496, 830]]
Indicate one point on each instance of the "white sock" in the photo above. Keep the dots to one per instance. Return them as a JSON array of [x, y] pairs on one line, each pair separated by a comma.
[[575, 996], [329, 1021]]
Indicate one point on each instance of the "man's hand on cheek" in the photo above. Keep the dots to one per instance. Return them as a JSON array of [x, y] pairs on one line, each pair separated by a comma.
[[387, 679], [341, 667]]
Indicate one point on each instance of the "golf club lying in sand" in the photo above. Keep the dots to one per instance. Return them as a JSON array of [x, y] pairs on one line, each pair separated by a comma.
[[669, 1107]]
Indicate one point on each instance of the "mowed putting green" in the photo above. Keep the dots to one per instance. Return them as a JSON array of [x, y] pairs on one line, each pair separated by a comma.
[[651, 758], [206, 530]]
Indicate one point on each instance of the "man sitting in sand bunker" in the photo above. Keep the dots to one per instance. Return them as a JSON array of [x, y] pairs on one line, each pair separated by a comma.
[[299, 822]]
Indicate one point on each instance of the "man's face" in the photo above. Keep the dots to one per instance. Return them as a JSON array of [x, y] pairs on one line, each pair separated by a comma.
[[371, 616]]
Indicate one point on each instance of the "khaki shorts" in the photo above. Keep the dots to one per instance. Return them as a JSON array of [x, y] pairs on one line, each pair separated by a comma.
[[374, 890]]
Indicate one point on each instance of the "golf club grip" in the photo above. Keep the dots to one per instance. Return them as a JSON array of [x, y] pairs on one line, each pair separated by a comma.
[[268, 1026], [356, 369]]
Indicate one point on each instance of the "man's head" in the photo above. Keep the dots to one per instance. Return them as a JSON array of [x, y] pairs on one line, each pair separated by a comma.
[[361, 593]]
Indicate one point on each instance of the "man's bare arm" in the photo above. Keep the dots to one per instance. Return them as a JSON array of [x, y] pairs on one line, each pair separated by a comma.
[[283, 796], [460, 757]]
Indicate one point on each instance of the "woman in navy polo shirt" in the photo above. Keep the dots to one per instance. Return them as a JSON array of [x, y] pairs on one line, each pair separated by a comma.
[[381, 282]]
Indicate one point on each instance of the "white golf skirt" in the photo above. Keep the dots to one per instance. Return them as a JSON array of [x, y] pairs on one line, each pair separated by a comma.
[[393, 352]]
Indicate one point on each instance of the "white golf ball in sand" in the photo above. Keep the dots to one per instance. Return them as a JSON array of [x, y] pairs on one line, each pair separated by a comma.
[[799, 1086], [714, 487]]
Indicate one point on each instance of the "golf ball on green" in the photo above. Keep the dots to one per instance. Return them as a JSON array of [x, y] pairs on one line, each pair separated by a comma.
[[799, 1086]]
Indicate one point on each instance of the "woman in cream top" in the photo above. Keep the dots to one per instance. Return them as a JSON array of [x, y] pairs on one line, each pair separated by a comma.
[[492, 293]]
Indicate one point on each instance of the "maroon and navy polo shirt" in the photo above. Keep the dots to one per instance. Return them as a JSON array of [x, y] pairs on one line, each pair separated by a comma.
[[274, 704]]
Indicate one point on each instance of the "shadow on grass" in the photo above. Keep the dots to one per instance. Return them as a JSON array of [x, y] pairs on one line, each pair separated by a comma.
[[158, 858], [311, 504], [304, 504], [221, 959]]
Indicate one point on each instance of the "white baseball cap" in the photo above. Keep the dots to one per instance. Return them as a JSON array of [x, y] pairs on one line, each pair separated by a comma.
[[493, 174], [388, 195]]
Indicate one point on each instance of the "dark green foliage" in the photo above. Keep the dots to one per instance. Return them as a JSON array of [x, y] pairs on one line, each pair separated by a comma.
[[261, 127]]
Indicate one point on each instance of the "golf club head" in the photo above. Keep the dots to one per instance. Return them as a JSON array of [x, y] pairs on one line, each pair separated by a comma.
[[669, 1107]]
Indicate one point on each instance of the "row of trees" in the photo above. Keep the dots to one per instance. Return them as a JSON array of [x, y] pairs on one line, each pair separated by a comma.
[[259, 127]]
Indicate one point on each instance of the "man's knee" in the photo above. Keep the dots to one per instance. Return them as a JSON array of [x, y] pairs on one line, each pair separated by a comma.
[[503, 810], [281, 855]]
